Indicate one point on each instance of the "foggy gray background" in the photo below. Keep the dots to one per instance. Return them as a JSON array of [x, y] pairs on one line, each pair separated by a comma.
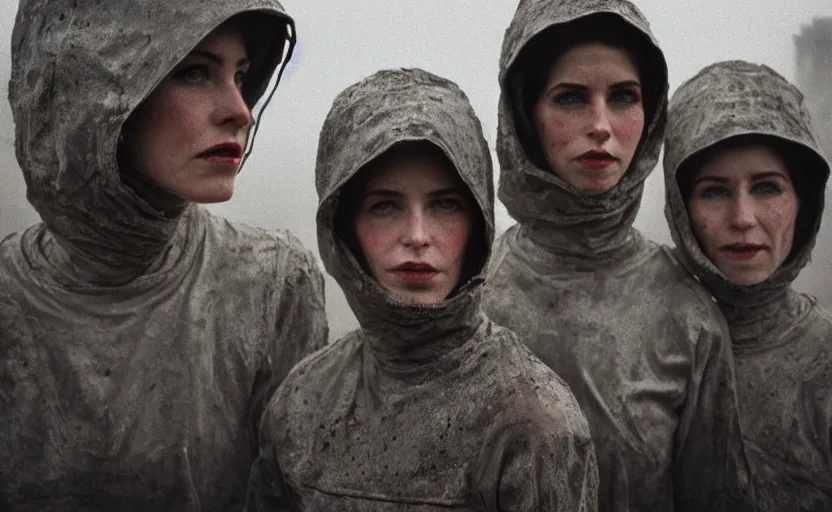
[[342, 41]]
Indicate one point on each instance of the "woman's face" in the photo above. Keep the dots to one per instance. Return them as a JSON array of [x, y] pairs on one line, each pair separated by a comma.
[[188, 136], [413, 226], [743, 209], [590, 116]]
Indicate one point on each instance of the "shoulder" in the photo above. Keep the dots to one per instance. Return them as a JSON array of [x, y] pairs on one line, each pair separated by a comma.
[[259, 252], [314, 369], [533, 393], [319, 377]]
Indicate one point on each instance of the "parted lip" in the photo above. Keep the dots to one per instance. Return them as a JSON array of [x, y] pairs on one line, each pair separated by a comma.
[[744, 247], [596, 155], [230, 149], [414, 266]]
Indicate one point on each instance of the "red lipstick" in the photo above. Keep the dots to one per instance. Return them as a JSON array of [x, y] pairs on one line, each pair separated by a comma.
[[596, 160], [227, 153], [741, 252], [415, 272]]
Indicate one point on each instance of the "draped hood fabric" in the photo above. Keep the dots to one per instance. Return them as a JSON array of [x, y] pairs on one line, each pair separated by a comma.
[[638, 341], [137, 383], [780, 337], [424, 407]]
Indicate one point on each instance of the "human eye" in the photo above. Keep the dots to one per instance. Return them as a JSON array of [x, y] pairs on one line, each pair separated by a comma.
[[447, 205], [240, 79], [382, 208], [625, 97], [766, 188], [714, 192], [569, 98], [193, 74]]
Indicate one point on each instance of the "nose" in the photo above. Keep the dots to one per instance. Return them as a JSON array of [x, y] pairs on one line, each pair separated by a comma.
[[600, 128], [743, 215], [417, 231], [232, 109]]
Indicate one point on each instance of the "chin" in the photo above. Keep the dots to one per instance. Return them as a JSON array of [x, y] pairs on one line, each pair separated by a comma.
[[218, 193], [422, 299], [746, 278]]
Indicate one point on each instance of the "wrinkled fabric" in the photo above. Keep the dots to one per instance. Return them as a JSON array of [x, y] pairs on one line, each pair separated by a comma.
[[780, 337], [138, 348], [424, 407], [638, 341]]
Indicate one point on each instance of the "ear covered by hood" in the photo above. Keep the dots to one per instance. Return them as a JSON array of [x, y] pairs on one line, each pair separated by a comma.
[[78, 72], [535, 196], [731, 99], [367, 119]]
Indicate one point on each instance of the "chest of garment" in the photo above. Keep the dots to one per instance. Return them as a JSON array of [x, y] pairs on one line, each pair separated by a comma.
[[131, 403], [615, 339], [784, 386]]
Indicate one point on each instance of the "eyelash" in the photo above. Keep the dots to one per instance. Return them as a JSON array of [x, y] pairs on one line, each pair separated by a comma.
[[186, 75], [441, 206], [624, 97], [761, 189]]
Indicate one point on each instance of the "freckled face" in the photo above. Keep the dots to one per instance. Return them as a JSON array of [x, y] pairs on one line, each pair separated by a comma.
[[188, 136], [413, 226], [743, 210], [590, 116]]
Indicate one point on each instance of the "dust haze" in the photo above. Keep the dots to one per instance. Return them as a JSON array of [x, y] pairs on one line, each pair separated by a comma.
[[342, 41]]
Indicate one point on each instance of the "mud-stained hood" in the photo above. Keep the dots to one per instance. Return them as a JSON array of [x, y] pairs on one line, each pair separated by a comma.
[[554, 213], [79, 69], [725, 100], [366, 119]]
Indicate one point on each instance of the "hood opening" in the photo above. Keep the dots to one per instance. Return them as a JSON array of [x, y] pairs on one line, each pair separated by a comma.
[[808, 176], [351, 193], [268, 49], [529, 73]]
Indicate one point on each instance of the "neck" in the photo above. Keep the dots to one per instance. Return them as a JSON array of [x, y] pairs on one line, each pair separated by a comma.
[[762, 324]]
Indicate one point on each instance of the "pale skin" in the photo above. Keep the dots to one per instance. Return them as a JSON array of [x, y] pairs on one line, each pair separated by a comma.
[[188, 136], [413, 226], [590, 116], [743, 210]]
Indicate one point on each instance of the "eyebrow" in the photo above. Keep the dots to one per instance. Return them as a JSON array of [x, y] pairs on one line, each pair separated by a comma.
[[392, 193], [216, 59], [754, 177], [584, 87]]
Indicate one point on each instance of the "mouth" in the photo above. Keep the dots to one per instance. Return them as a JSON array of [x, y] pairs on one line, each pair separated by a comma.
[[596, 159], [414, 272], [742, 252], [227, 153]]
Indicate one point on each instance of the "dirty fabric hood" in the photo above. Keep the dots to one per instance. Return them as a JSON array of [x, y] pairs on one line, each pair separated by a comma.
[[78, 72], [425, 407], [780, 337], [553, 213]]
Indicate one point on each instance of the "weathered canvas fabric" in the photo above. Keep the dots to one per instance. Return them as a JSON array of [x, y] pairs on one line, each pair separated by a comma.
[[639, 342], [424, 407], [780, 337], [137, 347]]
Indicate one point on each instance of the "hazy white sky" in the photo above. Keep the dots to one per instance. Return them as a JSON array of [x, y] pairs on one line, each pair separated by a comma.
[[341, 42]]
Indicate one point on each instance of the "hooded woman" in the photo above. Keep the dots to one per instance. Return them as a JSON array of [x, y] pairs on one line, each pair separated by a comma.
[[745, 184], [140, 336], [639, 342], [428, 405]]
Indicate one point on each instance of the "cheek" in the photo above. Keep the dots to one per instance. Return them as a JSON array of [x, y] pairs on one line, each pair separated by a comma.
[[781, 218], [374, 237], [629, 127], [555, 129], [704, 223], [452, 236]]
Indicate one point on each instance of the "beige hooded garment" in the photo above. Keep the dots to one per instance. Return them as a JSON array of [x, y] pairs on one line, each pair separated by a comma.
[[136, 385], [424, 407], [781, 338], [639, 342]]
